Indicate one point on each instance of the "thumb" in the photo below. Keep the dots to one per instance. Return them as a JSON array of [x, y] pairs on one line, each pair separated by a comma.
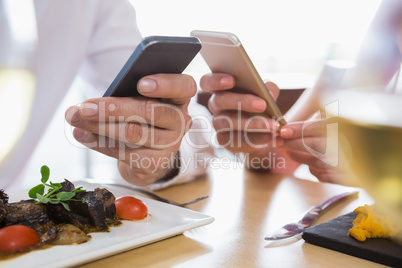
[[273, 89]]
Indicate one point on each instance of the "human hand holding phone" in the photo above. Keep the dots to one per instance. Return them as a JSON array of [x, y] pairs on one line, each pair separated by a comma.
[[245, 115], [143, 117], [240, 127], [224, 53]]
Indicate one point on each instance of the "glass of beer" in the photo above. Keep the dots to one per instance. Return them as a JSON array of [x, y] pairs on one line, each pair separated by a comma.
[[370, 139]]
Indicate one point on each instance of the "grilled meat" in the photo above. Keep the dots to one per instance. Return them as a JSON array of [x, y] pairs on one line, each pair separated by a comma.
[[98, 204], [89, 215], [54, 224], [3, 197], [67, 234], [3, 202], [2, 212], [67, 186], [28, 213]]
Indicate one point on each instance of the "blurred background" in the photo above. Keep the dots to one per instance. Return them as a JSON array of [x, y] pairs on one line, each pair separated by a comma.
[[279, 35], [288, 41]]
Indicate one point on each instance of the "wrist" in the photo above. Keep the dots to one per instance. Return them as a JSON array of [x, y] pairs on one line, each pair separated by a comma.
[[173, 170]]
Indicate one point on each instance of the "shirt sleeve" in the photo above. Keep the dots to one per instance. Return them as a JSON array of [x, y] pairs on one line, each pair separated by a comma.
[[115, 35]]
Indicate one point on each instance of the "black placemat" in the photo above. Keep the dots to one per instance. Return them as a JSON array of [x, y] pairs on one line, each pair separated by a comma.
[[334, 235]]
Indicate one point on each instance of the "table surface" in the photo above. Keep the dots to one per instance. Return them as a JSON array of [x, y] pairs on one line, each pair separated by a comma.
[[246, 207]]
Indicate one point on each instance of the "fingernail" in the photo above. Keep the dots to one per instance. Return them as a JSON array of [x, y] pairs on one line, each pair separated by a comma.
[[89, 109], [72, 115], [146, 85], [287, 132], [84, 137], [79, 134], [227, 81], [258, 105]]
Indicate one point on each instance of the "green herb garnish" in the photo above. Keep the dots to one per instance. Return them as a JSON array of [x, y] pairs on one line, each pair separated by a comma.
[[53, 196]]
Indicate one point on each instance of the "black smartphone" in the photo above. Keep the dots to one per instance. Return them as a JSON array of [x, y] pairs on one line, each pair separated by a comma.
[[155, 54]]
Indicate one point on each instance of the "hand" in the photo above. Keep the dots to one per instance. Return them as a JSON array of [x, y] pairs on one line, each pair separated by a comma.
[[240, 126], [310, 143], [142, 133]]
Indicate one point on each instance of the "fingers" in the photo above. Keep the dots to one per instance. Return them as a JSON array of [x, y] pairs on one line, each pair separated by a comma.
[[309, 135], [307, 144], [273, 89], [140, 166], [179, 87], [238, 128], [144, 170], [117, 149], [136, 122], [134, 131], [134, 135], [304, 136], [310, 160], [244, 142], [215, 82], [330, 176], [297, 130], [237, 102], [151, 126], [233, 120], [141, 110]]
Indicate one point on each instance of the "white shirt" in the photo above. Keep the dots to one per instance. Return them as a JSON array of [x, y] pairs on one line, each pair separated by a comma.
[[87, 38]]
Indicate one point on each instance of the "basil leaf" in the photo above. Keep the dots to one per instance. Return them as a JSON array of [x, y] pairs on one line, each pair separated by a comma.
[[79, 189], [53, 195], [45, 171], [66, 206], [38, 189], [42, 199], [55, 186], [53, 201], [64, 196]]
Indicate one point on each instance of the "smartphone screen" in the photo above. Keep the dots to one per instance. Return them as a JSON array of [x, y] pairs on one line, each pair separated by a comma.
[[224, 53], [155, 54]]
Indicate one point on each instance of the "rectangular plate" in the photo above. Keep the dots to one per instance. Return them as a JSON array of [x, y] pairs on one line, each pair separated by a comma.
[[165, 221], [334, 235]]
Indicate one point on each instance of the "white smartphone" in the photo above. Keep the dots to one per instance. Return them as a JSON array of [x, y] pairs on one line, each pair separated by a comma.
[[224, 53]]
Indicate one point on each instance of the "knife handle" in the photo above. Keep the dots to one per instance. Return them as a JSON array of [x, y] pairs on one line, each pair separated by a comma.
[[327, 203]]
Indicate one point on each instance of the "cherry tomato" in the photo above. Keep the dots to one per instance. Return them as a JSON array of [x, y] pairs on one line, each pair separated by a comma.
[[130, 208], [17, 237]]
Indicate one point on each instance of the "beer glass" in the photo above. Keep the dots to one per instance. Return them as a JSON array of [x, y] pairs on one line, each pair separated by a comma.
[[370, 139]]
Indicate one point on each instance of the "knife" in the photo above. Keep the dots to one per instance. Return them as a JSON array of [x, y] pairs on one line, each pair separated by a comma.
[[310, 216]]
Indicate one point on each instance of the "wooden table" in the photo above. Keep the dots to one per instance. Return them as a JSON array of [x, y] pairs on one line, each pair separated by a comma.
[[246, 207]]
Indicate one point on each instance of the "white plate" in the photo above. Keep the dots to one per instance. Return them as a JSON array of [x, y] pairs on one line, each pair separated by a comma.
[[165, 221]]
